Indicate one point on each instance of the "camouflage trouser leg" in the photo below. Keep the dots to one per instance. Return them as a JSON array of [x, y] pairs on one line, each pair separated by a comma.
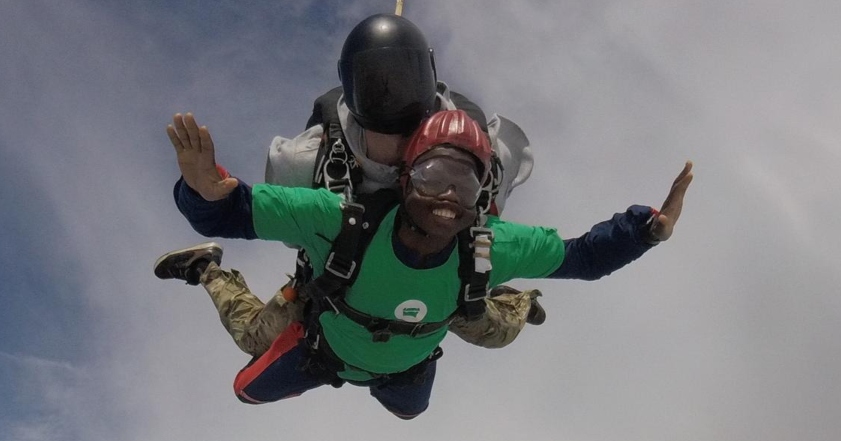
[[252, 324], [505, 316]]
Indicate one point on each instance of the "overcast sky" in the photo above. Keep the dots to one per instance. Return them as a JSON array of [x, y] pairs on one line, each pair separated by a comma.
[[729, 331]]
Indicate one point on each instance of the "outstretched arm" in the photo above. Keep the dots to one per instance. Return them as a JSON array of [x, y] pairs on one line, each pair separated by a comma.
[[197, 158], [612, 244], [215, 204]]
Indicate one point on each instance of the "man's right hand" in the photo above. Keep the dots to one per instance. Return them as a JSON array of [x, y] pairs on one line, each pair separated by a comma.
[[197, 159]]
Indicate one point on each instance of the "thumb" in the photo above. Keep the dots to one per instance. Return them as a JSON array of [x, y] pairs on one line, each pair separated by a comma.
[[229, 184], [662, 228], [221, 189]]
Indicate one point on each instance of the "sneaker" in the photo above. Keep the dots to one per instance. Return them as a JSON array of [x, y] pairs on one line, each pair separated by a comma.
[[537, 315], [188, 264]]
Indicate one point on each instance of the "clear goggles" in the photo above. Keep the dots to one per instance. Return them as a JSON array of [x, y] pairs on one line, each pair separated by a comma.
[[435, 176]]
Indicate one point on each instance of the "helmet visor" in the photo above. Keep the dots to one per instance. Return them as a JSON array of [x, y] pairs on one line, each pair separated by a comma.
[[437, 175], [389, 90]]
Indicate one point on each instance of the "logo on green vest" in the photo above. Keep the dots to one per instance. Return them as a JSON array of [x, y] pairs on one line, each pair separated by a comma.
[[411, 311]]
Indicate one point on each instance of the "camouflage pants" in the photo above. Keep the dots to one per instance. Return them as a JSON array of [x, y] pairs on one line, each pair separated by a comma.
[[254, 325]]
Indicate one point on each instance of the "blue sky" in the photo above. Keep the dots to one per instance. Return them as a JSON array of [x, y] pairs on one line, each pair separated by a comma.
[[729, 331]]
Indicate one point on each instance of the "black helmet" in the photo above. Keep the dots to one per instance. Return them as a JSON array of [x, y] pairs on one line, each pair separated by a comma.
[[388, 74]]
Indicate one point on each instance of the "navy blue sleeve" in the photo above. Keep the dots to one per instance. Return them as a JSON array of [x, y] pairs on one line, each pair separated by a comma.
[[608, 246], [229, 218]]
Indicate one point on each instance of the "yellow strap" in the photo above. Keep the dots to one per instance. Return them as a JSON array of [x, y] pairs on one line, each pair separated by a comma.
[[399, 10]]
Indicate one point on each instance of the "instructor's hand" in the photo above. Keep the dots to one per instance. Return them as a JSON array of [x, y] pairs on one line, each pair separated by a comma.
[[664, 224], [197, 159]]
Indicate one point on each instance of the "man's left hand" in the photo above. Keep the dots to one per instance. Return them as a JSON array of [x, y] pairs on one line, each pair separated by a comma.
[[664, 223]]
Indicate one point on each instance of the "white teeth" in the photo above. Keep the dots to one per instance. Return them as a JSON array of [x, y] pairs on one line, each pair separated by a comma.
[[443, 212]]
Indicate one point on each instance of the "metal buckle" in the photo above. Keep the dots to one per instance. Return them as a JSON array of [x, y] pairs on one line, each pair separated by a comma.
[[469, 298], [337, 272], [476, 231], [358, 209], [337, 160]]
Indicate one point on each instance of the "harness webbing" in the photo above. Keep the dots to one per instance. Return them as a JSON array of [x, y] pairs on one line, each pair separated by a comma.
[[337, 170], [474, 270], [382, 329], [359, 223]]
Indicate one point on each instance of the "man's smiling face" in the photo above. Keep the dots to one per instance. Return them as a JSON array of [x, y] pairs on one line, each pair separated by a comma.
[[441, 195]]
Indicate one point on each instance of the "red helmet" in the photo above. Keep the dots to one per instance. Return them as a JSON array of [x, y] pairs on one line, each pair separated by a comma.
[[452, 128]]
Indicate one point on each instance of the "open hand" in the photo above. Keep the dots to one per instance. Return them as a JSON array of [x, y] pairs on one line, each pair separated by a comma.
[[664, 223], [197, 159]]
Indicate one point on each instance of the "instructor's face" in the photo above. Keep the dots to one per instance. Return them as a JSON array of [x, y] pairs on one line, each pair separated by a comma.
[[385, 149]]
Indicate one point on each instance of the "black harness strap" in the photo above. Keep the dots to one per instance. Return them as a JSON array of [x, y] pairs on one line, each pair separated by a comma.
[[326, 292], [339, 271], [474, 270], [324, 108], [359, 223], [383, 329], [336, 167], [341, 262], [337, 170]]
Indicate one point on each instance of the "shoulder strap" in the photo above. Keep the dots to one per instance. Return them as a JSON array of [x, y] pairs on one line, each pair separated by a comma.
[[360, 221], [324, 108], [474, 247], [337, 170], [335, 166], [377, 205]]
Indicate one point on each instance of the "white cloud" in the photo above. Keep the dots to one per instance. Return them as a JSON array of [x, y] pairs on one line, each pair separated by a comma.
[[725, 332]]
